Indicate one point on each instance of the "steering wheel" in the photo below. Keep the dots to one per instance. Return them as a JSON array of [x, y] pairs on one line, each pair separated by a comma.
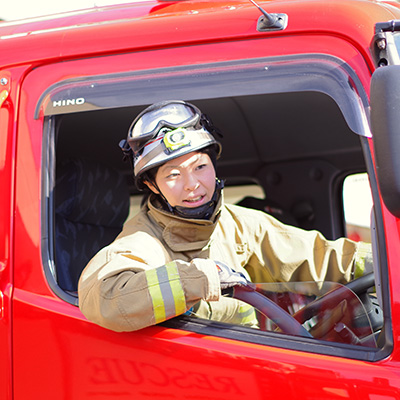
[[362, 284], [293, 324], [280, 317]]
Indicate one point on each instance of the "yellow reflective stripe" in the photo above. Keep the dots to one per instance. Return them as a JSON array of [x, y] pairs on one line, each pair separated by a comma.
[[166, 292], [156, 295], [176, 287], [247, 314], [364, 250]]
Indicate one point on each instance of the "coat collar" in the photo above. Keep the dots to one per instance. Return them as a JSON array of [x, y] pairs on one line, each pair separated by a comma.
[[182, 234]]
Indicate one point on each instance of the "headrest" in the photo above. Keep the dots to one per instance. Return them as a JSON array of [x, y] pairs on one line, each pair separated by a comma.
[[91, 193]]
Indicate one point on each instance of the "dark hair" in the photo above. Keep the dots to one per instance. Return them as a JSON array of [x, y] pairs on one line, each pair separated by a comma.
[[150, 175]]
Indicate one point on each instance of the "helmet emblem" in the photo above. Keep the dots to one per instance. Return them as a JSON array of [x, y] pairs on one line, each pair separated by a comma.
[[175, 139]]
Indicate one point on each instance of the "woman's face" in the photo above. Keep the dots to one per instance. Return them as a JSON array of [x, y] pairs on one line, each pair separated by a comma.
[[187, 181]]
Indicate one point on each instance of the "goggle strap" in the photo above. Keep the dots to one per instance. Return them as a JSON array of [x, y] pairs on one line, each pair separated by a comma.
[[126, 150], [207, 123]]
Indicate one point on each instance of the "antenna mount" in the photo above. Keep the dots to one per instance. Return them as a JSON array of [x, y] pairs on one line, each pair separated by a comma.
[[270, 22]]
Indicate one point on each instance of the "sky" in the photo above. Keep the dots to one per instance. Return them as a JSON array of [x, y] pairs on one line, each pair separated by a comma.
[[20, 9]]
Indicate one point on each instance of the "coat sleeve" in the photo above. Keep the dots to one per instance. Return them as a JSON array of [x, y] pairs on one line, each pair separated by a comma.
[[283, 253], [127, 290]]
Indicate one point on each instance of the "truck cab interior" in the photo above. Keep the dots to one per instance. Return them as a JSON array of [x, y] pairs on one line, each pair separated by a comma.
[[295, 146]]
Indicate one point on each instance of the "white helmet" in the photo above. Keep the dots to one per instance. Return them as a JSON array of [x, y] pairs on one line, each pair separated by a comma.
[[165, 131]]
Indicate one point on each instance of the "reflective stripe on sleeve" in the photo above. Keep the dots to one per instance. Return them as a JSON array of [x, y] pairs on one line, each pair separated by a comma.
[[247, 315], [166, 292], [363, 260]]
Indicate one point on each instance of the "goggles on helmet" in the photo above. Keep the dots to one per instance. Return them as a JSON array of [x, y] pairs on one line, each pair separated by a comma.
[[169, 114], [164, 131]]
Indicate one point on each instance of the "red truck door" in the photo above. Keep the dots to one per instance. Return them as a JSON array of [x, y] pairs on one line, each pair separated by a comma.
[[294, 111], [6, 217]]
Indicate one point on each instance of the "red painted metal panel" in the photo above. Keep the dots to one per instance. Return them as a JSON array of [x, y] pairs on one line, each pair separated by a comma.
[[57, 353], [112, 30], [9, 88]]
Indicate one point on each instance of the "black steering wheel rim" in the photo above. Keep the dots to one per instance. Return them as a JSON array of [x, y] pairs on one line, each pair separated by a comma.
[[361, 284], [279, 316], [293, 324]]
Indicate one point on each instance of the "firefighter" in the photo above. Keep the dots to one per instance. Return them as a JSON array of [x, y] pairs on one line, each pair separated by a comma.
[[186, 244]]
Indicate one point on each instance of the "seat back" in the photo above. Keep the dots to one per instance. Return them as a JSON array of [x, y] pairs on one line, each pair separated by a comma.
[[92, 204], [270, 208]]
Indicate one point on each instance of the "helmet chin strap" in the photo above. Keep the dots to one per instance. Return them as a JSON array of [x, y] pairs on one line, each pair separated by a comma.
[[201, 212]]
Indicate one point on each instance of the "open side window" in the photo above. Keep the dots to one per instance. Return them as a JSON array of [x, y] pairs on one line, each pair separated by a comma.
[[294, 126]]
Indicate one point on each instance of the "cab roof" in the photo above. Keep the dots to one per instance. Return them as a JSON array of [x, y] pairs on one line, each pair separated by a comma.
[[157, 24]]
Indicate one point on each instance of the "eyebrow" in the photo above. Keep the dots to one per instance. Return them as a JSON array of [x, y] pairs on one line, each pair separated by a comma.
[[167, 167]]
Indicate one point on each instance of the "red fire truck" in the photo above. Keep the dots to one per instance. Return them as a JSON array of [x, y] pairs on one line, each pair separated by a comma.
[[306, 93]]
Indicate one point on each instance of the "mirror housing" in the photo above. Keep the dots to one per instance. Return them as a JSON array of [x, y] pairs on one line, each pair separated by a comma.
[[385, 125]]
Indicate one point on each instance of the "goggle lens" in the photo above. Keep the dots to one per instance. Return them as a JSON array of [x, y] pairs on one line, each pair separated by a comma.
[[147, 127]]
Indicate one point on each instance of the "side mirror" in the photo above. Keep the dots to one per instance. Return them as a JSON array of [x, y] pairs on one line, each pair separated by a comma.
[[385, 124]]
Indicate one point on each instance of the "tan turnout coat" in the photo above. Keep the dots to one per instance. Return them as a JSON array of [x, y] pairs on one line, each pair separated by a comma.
[[162, 265]]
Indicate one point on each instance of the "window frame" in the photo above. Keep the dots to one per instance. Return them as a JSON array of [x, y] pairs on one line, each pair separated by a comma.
[[332, 67]]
